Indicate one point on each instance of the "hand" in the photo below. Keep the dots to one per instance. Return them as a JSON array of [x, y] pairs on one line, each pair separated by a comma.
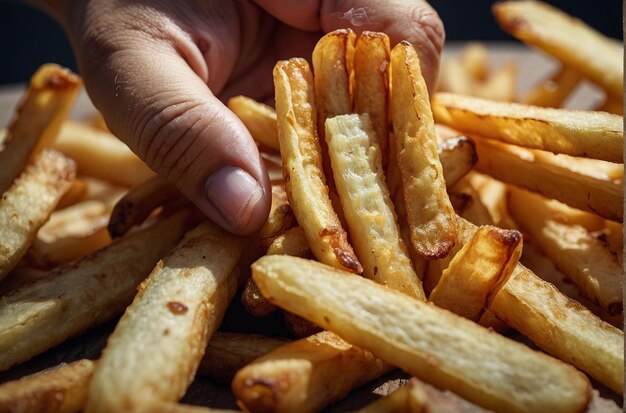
[[159, 71]]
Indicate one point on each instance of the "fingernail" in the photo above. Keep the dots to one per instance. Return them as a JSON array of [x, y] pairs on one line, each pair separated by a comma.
[[234, 194]]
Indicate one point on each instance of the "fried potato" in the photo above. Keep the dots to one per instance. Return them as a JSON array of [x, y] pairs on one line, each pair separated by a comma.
[[468, 205], [613, 105], [587, 134], [458, 157], [578, 184], [158, 343], [40, 315], [101, 155], [305, 375], [73, 195], [430, 343], [430, 215], [178, 408], [302, 166], [567, 38], [28, 203], [39, 116], [371, 84], [584, 259], [258, 118], [477, 272], [475, 60], [493, 195], [356, 161], [454, 77], [280, 219], [62, 389], [298, 326], [554, 91], [500, 86]]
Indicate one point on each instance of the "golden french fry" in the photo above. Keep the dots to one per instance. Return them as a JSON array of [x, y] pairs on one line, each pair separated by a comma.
[[554, 91], [101, 155], [454, 77], [430, 215], [98, 122], [428, 342], [62, 389], [371, 79], [567, 38], [303, 174], [28, 203], [587, 185], [73, 195], [493, 196], [259, 118], [458, 157], [470, 207], [475, 60], [477, 272], [613, 105], [103, 191], [584, 259], [356, 161], [305, 375], [587, 134], [281, 219], [500, 86], [254, 302], [40, 315], [39, 116], [157, 345]]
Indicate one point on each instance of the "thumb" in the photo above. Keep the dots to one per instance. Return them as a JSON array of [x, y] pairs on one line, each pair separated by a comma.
[[168, 116]]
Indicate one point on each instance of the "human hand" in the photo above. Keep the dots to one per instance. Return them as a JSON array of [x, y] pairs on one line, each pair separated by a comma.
[[159, 71]]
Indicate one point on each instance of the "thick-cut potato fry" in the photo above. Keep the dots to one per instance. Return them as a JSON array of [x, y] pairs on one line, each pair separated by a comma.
[[157, 346], [455, 78], [493, 195], [39, 116], [458, 156], [258, 118], [500, 86], [588, 134], [560, 177], [430, 215], [281, 219], [371, 84], [28, 203], [138, 203], [356, 161], [21, 275], [101, 155], [585, 260], [554, 91], [428, 342], [475, 60], [45, 313], [62, 389], [613, 105], [467, 204], [302, 166], [567, 38], [73, 195], [305, 375], [477, 272], [103, 191]]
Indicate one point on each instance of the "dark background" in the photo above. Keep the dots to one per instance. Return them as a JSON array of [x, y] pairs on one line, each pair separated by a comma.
[[29, 37]]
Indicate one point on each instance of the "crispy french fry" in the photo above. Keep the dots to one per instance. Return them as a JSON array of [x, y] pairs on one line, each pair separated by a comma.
[[281, 219], [566, 38], [101, 155], [371, 90], [589, 134], [430, 215], [305, 375], [587, 187], [254, 302], [157, 346], [62, 389], [356, 161], [103, 191], [73, 195], [493, 195], [613, 105], [39, 116], [45, 313], [28, 203], [470, 206], [259, 118], [584, 259], [304, 177], [554, 91], [455, 78], [501, 85], [458, 156], [430, 343], [21, 275], [475, 60]]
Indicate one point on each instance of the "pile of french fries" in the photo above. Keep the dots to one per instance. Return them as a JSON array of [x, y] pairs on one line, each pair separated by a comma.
[[397, 238]]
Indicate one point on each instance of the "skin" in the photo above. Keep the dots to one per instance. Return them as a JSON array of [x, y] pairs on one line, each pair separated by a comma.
[[159, 71]]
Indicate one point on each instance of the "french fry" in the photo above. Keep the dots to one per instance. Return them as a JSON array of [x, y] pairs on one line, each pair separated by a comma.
[[62, 389], [281, 219], [356, 161], [45, 106], [73, 195], [455, 78], [500, 86], [101, 155], [554, 91], [613, 105], [559, 177], [303, 174], [258, 118], [468, 205], [567, 38], [178, 408], [40, 315], [157, 346], [584, 259], [297, 375], [22, 274], [596, 135], [298, 326], [371, 79], [493, 196], [475, 60], [430, 215], [477, 272], [431, 343], [458, 156], [103, 191], [28, 203]]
